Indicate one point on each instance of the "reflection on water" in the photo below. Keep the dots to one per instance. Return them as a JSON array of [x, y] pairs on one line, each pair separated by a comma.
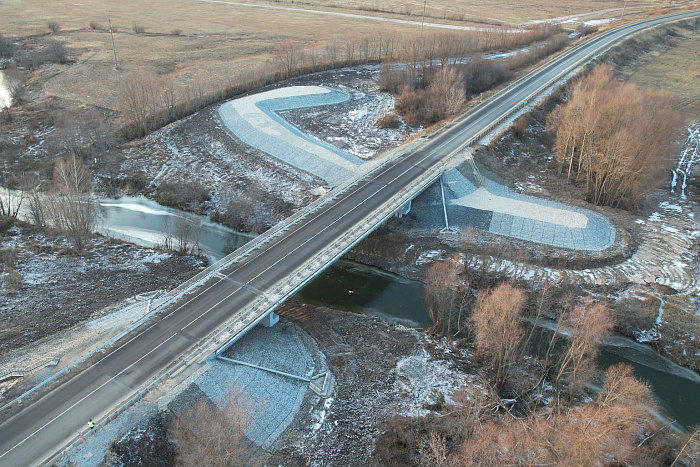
[[353, 287], [350, 286], [142, 221]]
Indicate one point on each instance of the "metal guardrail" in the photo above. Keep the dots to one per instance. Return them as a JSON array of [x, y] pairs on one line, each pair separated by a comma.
[[19, 372]]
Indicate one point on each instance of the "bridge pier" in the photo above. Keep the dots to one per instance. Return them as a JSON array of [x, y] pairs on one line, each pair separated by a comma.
[[270, 319], [404, 209]]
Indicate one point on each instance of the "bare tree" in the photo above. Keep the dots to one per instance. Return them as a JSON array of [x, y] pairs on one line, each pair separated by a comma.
[[446, 297], [85, 133], [7, 47], [37, 215], [208, 435], [690, 452], [611, 430], [586, 325], [447, 92], [181, 235], [72, 207], [187, 234], [287, 54], [10, 199], [14, 82], [496, 327], [615, 138], [139, 98]]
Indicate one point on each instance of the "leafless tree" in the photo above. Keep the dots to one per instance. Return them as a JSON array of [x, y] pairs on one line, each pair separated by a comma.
[[14, 82], [447, 297], [447, 92], [181, 235], [85, 133], [586, 326], [610, 430], [37, 216], [208, 435], [10, 199], [287, 54], [615, 138], [690, 452], [71, 204], [187, 234], [496, 327], [139, 98]]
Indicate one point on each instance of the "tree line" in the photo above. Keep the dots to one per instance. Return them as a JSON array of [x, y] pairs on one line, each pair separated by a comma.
[[538, 407], [616, 139], [437, 73], [150, 101]]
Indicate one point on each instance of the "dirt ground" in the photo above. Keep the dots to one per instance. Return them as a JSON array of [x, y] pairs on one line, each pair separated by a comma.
[[369, 360], [60, 289]]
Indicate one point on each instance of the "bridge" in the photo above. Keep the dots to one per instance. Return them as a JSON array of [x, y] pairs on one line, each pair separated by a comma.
[[199, 318]]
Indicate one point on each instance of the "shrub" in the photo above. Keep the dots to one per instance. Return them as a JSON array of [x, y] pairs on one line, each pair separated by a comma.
[[56, 52], [139, 29], [389, 120], [189, 196], [481, 75], [94, 25], [53, 26], [7, 47], [13, 281], [176, 32], [520, 126]]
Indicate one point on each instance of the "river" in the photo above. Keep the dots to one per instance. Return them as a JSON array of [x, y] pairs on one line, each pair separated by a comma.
[[354, 287], [140, 220]]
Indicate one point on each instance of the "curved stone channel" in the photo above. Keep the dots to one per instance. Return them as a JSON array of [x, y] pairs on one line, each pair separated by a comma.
[[493, 207]]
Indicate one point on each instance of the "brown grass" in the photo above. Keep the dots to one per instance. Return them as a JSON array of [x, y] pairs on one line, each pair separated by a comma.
[[675, 67], [479, 11], [218, 41]]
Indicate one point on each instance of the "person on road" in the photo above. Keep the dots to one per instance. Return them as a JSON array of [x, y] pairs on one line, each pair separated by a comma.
[[90, 424]]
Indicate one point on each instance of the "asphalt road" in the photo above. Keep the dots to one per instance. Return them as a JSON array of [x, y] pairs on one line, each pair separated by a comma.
[[43, 427]]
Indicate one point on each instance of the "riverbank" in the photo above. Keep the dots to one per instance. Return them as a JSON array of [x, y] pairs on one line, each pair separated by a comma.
[[48, 289]]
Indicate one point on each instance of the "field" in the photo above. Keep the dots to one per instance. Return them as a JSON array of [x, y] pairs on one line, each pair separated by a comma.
[[218, 41], [674, 67]]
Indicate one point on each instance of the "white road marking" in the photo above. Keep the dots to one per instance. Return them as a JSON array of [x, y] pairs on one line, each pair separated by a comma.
[[88, 395]]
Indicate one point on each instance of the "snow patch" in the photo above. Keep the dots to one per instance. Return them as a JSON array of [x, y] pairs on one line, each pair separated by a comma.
[[427, 382], [429, 256]]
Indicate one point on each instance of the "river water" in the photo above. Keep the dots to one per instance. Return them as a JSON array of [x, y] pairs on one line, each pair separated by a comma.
[[354, 287], [140, 220], [358, 288]]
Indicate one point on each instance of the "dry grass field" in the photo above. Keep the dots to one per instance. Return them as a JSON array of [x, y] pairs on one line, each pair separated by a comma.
[[215, 41], [489, 11], [674, 67]]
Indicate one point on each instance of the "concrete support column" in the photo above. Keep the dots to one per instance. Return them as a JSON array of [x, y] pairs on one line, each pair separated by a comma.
[[404, 209], [270, 319]]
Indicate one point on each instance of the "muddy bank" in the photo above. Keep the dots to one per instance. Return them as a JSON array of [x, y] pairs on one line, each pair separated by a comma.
[[53, 289], [364, 355]]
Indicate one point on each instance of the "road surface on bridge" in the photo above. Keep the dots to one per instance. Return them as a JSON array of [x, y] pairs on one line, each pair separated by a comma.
[[38, 429]]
